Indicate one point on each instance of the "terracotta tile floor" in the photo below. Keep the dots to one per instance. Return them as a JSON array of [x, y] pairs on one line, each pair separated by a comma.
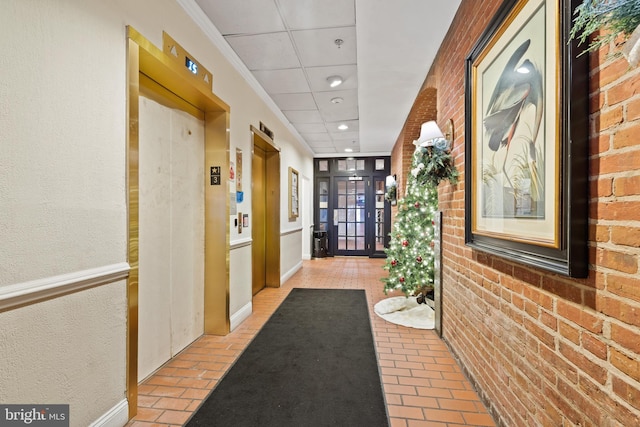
[[422, 383]]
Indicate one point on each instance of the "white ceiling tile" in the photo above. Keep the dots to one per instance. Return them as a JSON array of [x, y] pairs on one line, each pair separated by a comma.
[[291, 80], [344, 143], [325, 150], [294, 101], [318, 13], [318, 77], [309, 137], [317, 47], [332, 127], [243, 17], [349, 99], [391, 38], [304, 128], [346, 110], [318, 144], [344, 136], [309, 116], [271, 51], [339, 112]]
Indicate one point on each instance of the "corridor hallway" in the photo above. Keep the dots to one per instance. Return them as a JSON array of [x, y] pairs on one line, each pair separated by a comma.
[[423, 385]]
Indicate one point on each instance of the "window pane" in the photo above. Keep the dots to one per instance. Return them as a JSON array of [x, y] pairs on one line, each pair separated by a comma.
[[351, 201], [360, 165], [351, 215], [352, 187], [323, 165], [360, 229], [342, 165], [351, 164], [342, 243], [342, 201], [342, 187], [360, 243]]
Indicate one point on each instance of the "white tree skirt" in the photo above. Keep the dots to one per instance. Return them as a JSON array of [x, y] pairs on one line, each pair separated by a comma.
[[406, 312]]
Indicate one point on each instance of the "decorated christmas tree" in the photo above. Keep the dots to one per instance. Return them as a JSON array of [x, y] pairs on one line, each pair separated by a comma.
[[410, 255]]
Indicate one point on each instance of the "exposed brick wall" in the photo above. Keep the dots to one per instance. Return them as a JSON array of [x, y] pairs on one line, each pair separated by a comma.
[[546, 350], [424, 109]]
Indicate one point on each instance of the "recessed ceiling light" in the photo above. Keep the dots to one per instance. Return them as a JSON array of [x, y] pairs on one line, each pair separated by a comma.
[[343, 127], [337, 100], [348, 150], [334, 81]]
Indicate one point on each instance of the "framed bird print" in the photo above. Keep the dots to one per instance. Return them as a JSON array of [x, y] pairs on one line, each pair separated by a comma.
[[526, 132]]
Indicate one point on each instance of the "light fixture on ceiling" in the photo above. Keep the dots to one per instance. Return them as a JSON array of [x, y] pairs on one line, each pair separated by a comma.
[[430, 135], [337, 100], [343, 127], [334, 81], [348, 150]]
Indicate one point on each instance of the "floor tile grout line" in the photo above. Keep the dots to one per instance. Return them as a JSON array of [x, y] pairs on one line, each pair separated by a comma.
[[336, 273]]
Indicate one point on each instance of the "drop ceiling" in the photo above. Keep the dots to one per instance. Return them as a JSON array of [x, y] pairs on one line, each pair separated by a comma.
[[382, 49]]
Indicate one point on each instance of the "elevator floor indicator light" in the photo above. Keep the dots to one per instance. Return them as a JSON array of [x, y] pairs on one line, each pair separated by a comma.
[[191, 66]]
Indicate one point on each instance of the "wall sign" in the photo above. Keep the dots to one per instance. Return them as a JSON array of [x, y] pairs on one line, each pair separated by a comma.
[[215, 175]]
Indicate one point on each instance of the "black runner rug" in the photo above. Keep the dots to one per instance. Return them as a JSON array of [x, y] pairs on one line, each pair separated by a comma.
[[312, 364]]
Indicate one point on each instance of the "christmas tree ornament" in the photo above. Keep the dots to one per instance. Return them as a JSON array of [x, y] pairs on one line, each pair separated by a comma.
[[410, 253]]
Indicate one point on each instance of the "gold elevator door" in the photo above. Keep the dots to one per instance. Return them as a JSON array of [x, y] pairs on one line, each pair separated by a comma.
[[259, 209]]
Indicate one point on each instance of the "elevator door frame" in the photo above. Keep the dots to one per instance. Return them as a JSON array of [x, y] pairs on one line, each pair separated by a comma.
[[159, 74], [271, 249]]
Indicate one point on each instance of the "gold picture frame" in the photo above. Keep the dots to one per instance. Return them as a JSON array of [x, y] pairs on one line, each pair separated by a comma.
[[294, 192]]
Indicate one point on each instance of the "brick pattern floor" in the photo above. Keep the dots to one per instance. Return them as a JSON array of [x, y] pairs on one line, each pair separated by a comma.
[[423, 385]]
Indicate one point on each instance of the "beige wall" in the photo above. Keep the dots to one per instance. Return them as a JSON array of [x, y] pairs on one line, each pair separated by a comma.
[[62, 190]]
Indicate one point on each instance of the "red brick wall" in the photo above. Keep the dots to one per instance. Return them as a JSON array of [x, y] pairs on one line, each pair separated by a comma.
[[546, 350], [424, 109]]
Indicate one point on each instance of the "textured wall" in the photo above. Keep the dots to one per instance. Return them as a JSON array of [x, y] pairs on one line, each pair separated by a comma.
[[62, 204], [63, 172], [62, 186], [544, 349], [67, 350]]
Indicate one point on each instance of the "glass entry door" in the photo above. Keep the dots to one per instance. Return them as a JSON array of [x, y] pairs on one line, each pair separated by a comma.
[[350, 216], [349, 205]]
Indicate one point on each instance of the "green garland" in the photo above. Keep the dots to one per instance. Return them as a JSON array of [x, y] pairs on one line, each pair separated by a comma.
[[616, 16], [433, 165]]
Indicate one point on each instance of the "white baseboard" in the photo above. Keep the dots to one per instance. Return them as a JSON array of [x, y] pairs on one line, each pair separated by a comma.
[[291, 272], [117, 416], [239, 316]]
